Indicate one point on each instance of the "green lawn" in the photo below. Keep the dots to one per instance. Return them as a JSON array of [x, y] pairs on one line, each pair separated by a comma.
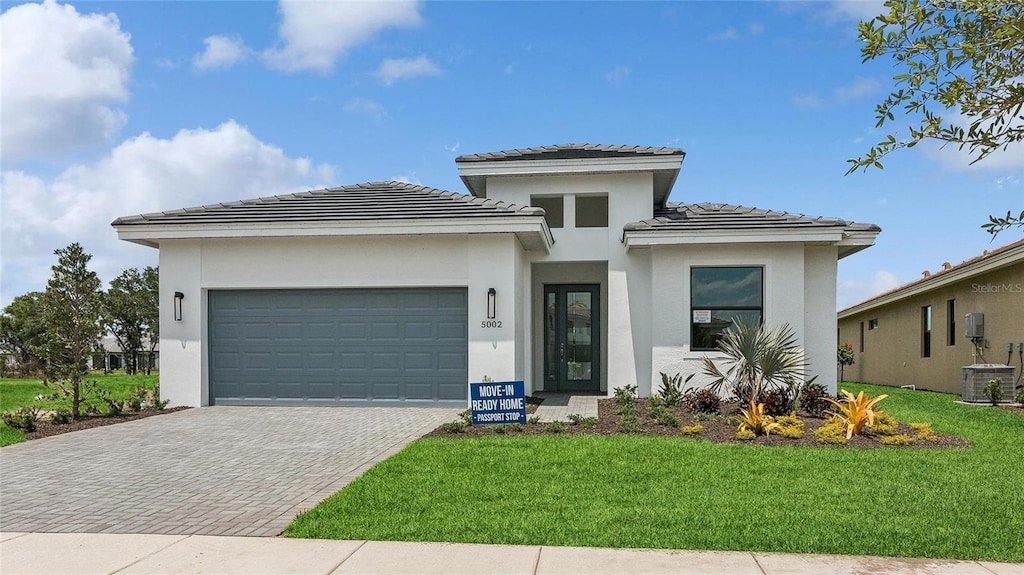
[[15, 393], [659, 492]]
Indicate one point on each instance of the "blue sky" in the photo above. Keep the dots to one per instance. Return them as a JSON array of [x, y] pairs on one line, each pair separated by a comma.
[[116, 108]]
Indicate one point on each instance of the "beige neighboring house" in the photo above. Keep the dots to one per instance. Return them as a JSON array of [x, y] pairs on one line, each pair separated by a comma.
[[915, 334], [111, 357]]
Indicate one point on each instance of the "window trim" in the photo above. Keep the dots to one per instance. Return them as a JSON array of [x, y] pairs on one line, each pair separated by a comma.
[[926, 331], [760, 309]]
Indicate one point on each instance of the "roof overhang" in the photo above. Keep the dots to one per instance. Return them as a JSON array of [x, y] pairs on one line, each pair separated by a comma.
[[940, 279], [665, 169], [532, 231], [847, 242]]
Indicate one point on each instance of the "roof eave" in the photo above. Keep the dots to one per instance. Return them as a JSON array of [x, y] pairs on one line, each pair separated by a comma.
[[532, 230], [938, 280], [474, 174], [634, 238]]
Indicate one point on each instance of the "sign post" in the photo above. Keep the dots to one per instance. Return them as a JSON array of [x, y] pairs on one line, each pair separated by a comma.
[[495, 402]]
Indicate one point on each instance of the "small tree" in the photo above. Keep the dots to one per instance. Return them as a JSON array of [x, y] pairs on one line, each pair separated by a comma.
[[844, 357], [150, 302], [124, 315], [757, 358], [22, 331], [71, 313]]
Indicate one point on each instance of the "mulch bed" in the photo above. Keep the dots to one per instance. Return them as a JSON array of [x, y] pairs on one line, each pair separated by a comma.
[[721, 430], [1013, 408], [47, 428]]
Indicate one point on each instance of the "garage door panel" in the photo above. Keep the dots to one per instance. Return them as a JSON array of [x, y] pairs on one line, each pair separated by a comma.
[[345, 346]]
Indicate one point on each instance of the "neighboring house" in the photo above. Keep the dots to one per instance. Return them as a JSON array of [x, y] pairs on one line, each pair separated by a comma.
[[111, 357], [915, 334], [566, 268]]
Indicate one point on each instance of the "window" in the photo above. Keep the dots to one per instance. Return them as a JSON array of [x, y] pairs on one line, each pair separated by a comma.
[[719, 297], [554, 209], [861, 348], [591, 211], [872, 324], [926, 331], [951, 322]]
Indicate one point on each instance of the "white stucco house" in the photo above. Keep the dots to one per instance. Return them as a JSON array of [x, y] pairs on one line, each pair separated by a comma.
[[566, 267]]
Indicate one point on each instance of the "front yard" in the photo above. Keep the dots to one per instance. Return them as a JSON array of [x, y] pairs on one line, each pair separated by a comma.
[[674, 492], [15, 393]]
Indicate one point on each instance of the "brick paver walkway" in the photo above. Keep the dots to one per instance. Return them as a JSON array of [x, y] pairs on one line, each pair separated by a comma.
[[212, 470], [559, 406]]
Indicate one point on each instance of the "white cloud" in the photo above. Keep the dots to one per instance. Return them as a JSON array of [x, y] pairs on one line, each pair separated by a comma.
[[220, 52], [807, 101], [63, 74], [854, 10], [859, 88], [851, 292], [408, 179], [729, 33], [142, 174], [366, 107], [314, 34], [732, 33], [392, 69], [618, 75], [755, 28]]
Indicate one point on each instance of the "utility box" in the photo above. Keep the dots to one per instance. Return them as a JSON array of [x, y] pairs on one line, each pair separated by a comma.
[[977, 376], [974, 325]]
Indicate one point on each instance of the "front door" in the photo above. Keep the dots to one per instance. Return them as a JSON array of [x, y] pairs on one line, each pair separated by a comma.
[[572, 338]]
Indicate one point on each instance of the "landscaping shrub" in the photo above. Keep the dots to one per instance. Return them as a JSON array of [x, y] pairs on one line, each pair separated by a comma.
[[535, 419], [790, 426], [61, 416], [671, 391], [994, 391], [467, 416], [885, 423], [895, 440], [663, 416], [457, 426], [856, 412], [625, 395], [691, 429], [578, 419], [629, 424], [703, 416], [745, 434], [514, 427], [924, 432], [500, 429], [1020, 395], [755, 420], [554, 427], [777, 402], [833, 432], [703, 401], [24, 418], [812, 399]]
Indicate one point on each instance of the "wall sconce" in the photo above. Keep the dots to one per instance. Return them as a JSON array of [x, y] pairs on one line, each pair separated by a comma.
[[178, 296], [492, 303]]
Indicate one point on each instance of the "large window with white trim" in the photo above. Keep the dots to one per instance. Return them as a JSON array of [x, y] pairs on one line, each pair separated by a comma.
[[719, 296]]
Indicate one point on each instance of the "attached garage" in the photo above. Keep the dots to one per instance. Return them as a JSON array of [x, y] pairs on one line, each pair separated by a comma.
[[385, 346]]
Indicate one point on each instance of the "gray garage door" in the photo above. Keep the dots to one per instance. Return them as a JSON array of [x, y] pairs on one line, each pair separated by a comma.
[[338, 347]]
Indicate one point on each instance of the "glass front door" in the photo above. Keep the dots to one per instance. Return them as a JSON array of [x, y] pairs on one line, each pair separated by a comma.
[[572, 338]]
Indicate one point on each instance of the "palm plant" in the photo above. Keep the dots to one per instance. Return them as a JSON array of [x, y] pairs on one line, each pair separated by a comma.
[[756, 359]]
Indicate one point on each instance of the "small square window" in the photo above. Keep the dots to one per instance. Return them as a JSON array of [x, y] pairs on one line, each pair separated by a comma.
[[873, 324], [554, 209], [591, 211]]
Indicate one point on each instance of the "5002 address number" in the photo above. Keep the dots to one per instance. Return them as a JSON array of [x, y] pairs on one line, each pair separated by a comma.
[[490, 323]]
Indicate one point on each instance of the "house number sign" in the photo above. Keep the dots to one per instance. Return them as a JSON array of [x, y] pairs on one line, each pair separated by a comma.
[[489, 323]]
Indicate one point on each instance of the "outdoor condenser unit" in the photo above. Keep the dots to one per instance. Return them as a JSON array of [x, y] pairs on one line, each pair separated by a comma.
[[974, 325], [977, 376]]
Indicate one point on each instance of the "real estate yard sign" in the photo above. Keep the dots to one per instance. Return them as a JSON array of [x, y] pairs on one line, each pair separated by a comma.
[[495, 402]]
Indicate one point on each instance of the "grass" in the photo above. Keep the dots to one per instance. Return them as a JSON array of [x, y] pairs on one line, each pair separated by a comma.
[[15, 393], [658, 492]]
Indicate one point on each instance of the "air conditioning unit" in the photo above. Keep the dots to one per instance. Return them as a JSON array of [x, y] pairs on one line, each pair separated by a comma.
[[974, 326], [977, 376]]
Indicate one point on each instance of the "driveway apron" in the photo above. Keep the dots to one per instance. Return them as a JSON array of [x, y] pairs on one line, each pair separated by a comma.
[[206, 471]]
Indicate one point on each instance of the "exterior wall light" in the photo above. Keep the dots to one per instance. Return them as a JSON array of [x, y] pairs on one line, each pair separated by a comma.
[[178, 297], [492, 303]]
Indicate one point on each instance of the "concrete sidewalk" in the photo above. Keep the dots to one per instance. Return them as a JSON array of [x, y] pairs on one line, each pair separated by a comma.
[[99, 553]]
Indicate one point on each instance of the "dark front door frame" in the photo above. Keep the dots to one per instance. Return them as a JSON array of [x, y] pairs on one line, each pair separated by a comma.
[[558, 344]]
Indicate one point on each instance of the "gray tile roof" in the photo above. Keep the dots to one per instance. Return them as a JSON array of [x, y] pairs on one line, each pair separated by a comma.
[[570, 152], [709, 216], [370, 201]]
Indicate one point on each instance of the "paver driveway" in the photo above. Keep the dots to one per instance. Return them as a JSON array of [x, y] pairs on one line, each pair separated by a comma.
[[212, 470]]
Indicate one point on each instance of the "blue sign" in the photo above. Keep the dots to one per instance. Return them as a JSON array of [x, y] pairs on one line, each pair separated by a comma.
[[495, 402]]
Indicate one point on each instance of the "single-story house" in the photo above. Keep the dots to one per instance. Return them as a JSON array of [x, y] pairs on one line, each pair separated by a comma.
[[566, 268], [109, 356], [917, 334]]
